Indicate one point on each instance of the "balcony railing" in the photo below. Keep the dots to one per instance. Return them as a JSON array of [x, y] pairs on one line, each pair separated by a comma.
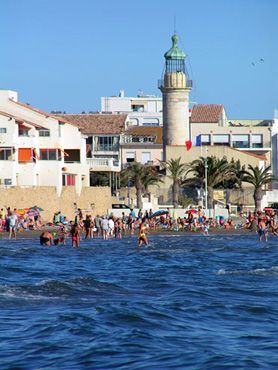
[[104, 164], [189, 84]]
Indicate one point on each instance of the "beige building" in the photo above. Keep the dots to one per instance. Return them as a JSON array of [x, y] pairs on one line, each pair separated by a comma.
[[209, 125], [142, 144]]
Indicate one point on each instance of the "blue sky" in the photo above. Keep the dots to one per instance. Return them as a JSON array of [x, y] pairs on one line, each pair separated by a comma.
[[66, 54]]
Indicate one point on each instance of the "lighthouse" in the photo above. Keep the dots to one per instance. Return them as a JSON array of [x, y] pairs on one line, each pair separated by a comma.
[[175, 87]]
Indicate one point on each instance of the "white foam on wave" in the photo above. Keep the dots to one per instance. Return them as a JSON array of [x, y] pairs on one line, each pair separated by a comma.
[[259, 271]]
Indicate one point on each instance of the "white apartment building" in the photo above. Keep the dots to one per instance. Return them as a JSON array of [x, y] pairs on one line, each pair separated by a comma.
[[38, 149], [142, 110]]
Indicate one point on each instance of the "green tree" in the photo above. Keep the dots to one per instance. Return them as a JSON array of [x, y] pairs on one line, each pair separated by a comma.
[[140, 176], [176, 171], [258, 177], [218, 171]]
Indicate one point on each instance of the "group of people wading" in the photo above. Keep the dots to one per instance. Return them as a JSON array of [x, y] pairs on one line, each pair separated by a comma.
[[105, 227], [109, 227]]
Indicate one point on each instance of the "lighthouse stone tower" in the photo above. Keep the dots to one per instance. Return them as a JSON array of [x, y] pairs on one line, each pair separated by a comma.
[[175, 88]]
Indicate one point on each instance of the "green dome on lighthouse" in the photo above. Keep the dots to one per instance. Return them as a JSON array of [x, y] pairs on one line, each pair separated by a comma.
[[174, 53]]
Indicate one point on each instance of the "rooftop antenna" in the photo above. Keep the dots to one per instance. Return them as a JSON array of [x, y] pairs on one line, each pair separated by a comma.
[[174, 24]]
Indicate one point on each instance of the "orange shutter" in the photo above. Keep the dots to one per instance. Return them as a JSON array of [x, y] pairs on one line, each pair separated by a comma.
[[24, 154]]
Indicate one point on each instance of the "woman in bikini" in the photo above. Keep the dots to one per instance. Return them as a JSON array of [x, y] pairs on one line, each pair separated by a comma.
[[142, 238]]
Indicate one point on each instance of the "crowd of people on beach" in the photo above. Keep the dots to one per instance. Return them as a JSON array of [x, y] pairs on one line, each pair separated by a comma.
[[85, 226]]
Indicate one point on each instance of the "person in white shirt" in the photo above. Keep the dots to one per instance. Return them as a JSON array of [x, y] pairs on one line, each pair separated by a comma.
[[105, 228], [111, 225], [12, 225]]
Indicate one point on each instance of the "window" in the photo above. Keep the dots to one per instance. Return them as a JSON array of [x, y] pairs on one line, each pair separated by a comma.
[[5, 154], [50, 154], [106, 143], [149, 139], [23, 131], [205, 139], [25, 155], [146, 157], [137, 139], [44, 133], [151, 122], [71, 155], [257, 141], [137, 108], [68, 179], [240, 141], [221, 139], [130, 157], [3, 130]]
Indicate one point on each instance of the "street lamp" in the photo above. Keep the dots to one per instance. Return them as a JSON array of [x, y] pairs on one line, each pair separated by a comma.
[[206, 180], [128, 191]]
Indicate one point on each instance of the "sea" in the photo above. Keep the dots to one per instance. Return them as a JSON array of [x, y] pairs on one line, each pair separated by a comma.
[[184, 302]]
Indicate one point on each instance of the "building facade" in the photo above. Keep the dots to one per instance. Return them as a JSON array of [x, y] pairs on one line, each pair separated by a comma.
[[37, 149], [142, 110]]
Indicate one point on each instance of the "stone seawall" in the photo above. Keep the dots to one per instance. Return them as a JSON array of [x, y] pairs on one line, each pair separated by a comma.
[[98, 199]]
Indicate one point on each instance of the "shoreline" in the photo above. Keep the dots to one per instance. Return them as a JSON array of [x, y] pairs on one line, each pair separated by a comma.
[[33, 234]]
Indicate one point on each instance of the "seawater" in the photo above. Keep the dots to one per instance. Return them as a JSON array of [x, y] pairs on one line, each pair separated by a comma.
[[184, 302]]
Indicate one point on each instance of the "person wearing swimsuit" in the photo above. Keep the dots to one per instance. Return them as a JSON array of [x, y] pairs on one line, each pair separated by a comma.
[[75, 235], [262, 229], [142, 238]]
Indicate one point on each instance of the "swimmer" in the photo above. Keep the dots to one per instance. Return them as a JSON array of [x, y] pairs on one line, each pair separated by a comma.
[[46, 238], [142, 238]]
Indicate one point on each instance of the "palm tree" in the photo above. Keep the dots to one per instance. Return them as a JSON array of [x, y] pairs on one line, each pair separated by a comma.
[[176, 172], [141, 177], [150, 177], [258, 177], [218, 171]]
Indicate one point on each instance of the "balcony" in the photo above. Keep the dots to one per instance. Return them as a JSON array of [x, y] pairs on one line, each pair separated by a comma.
[[161, 84], [104, 164]]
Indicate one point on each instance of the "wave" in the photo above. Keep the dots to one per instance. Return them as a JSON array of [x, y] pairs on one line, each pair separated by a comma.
[[259, 271], [51, 288]]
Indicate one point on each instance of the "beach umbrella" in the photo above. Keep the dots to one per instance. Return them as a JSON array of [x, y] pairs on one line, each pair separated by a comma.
[[32, 212], [21, 211], [191, 211], [36, 208], [159, 213]]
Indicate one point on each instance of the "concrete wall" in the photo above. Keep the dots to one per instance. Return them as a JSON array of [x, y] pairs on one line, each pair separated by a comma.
[[97, 198]]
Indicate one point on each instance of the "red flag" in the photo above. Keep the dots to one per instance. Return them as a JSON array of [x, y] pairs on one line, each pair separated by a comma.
[[188, 144]]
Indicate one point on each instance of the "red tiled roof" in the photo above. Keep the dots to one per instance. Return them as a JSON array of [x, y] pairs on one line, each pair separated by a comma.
[[207, 113], [146, 131], [96, 123]]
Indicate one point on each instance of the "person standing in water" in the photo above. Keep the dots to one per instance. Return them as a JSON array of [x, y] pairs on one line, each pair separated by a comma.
[[142, 237], [262, 229], [75, 235], [12, 225]]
